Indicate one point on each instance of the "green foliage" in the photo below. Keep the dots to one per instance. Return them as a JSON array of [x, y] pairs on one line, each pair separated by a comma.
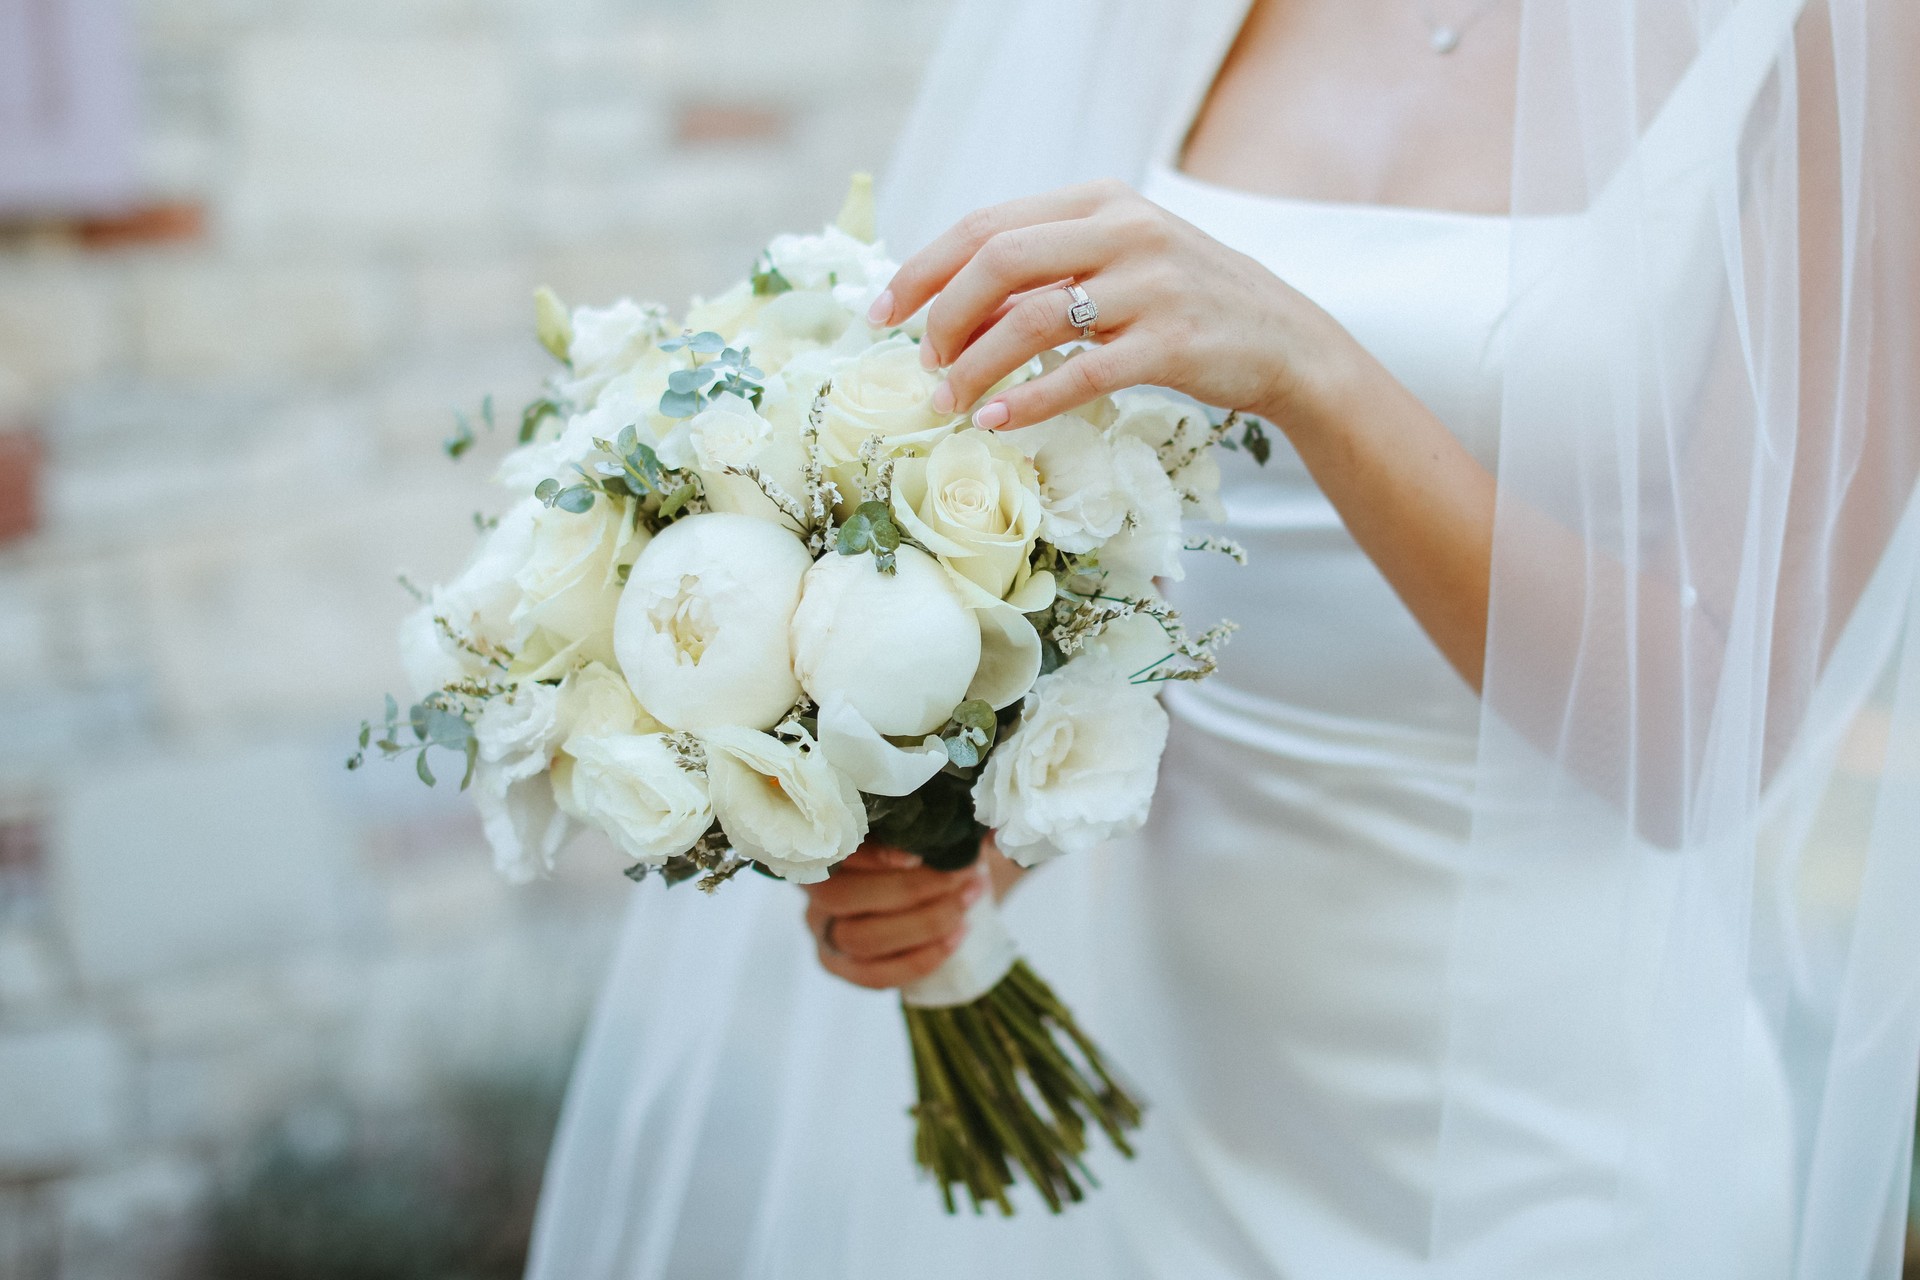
[[970, 733], [870, 528], [463, 436], [936, 822], [1253, 437], [437, 721], [767, 280], [533, 415], [692, 389]]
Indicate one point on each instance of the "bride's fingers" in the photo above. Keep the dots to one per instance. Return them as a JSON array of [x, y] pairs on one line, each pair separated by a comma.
[[1007, 264], [876, 937], [1088, 375], [927, 272], [846, 894], [894, 971], [1037, 323]]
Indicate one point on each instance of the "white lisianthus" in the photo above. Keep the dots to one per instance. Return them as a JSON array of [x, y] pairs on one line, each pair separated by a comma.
[[480, 605], [518, 730], [523, 824], [901, 648], [610, 341], [782, 804], [1149, 544], [702, 628], [828, 260], [729, 432], [1178, 434], [974, 502], [1078, 769], [570, 583], [1079, 487], [635, 788], [882, 392]]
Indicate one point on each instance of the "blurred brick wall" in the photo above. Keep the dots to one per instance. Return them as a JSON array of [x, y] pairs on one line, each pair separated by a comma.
[[219, 420]]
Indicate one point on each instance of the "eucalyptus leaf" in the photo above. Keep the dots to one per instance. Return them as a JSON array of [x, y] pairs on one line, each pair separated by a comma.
[[707, 342], [420, 767], [686, 380], [546, 490], [577, 499], [679, 404]]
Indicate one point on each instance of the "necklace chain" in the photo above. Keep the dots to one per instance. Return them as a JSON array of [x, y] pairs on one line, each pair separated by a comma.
[[1445, 37]]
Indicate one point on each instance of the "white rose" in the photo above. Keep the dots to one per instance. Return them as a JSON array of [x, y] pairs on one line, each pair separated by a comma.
[[827, 260], [522, 823], [634, 787], [794, 324], [973, 501], [596, 702], [882, 392], [702, 628], [570, 583], [900, 648], [1079, 488], [1079, 768], [729, 432], [782, 804], [610, 341], [1150, 543], [731, 312]]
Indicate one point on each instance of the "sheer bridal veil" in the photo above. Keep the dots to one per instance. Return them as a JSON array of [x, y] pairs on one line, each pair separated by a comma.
[[1692, 901]]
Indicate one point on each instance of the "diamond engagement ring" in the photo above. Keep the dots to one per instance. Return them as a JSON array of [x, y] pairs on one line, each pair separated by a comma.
[[1082, 311]]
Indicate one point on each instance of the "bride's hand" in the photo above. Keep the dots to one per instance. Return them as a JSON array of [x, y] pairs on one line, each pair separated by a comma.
[[1177, 309], [884, 920]]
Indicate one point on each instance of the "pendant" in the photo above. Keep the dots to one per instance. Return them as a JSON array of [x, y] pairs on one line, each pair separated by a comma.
[[1445, 39]]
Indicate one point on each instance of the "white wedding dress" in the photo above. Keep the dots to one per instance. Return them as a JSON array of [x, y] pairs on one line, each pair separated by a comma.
[[1268, 960]]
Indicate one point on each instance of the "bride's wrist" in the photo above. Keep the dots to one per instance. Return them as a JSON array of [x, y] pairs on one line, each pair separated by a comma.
[[1319, 394]]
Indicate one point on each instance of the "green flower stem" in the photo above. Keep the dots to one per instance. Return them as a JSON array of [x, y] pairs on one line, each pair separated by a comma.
[[1001, 1095]]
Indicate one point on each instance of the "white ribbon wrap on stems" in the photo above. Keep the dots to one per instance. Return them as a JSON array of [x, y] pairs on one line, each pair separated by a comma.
[[984, 958]]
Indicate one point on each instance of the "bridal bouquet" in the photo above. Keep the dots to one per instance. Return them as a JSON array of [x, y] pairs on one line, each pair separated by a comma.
[[754, 603]]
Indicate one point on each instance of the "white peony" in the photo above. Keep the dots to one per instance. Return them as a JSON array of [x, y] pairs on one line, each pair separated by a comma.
[[795, 324], [1078, 769], [782, 804], [900, 648], [1150, 543], [635, 788], [882, 392], [974, 502], [570, 582], [1079, 488], [702, 628]]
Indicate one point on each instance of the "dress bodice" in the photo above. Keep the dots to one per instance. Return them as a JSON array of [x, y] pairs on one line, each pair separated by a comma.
[[1324, 643]]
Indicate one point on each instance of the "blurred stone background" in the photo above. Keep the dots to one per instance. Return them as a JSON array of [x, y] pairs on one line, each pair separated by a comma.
[[235, 981]]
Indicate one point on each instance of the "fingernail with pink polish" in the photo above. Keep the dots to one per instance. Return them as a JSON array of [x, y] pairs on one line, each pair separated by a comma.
[[991, 416], [971, 894], [943, 398], [882, 309], [929, 358]]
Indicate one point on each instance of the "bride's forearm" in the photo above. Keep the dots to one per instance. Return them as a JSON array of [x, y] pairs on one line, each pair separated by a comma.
[[1415, 500]]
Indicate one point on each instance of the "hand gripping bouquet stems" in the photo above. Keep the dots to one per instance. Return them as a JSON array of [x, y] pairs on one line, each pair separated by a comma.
[[755, 602]]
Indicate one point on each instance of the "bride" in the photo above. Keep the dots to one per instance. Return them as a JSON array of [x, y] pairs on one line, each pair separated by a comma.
[[1532, 892]]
